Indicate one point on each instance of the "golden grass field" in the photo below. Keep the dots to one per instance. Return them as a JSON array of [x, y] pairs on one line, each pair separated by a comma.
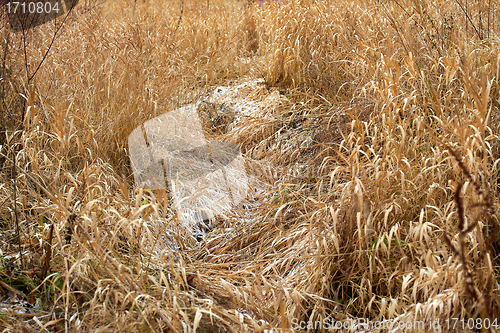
[[373, 160]]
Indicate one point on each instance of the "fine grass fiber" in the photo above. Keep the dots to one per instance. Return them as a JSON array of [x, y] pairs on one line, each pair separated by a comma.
[[373, 164]]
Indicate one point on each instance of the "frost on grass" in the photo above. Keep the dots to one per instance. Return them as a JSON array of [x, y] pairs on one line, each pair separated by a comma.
[[204, 178]]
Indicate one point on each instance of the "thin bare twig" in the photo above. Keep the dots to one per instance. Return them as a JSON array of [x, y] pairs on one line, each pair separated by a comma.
[[14, 195], [469, 19], [180, 18]]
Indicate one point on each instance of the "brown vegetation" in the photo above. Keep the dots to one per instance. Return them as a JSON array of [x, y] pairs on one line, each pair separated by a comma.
[[375, 183]]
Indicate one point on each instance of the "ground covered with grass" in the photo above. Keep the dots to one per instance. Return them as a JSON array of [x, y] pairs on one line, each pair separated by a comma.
[[371, 146]]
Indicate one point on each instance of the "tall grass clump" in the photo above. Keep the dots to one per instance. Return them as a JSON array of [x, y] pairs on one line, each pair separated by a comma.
[[373, 160]]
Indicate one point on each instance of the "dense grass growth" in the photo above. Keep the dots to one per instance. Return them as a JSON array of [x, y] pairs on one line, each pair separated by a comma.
[[373, 163]]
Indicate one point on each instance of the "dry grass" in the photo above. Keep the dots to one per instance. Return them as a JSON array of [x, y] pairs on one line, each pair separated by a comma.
[[375, 183]]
